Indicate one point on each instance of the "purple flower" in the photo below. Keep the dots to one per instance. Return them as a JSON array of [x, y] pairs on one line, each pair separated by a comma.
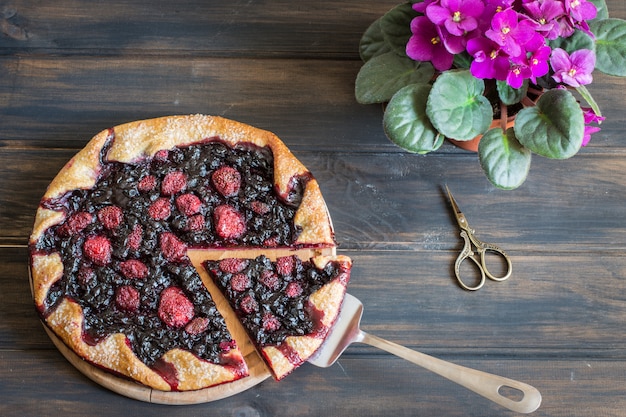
[[517, 74], [426, 44], [457, 16], [580, 10], [590, 116], [489, 60], [574, 70], [494, 6], [421, 6], [536, 57], [454, 44], [589, 130], [545, 14], [577, 14], [510, 32]]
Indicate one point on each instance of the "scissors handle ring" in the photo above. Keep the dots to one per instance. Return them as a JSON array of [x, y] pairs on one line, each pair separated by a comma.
[[483, 248], [467, 253]]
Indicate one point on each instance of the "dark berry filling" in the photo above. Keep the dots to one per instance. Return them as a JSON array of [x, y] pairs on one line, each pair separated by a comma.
[[271, 298], [124, 243]]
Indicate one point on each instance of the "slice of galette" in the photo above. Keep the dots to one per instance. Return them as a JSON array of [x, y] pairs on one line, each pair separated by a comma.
[[287, 306]]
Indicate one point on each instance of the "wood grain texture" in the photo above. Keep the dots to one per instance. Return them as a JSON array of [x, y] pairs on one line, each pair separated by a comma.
[[288, 28], [309, 103], [71, 68], [357, 385]]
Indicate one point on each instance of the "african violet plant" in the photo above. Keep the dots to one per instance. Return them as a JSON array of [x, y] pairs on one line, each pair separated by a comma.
[[449, 68]]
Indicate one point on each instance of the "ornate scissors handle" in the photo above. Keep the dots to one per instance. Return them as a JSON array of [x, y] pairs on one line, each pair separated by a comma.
[[481, 248]]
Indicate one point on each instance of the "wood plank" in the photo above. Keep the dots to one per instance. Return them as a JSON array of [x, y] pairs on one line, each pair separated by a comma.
[[553, 305], [563, 206], [360, 385], [252, 28], [62, 102]]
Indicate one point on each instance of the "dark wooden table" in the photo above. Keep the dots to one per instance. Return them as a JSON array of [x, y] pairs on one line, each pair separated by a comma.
[[69, 69]]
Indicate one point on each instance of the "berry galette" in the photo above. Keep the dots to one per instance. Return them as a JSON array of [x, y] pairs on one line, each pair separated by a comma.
[[110, 270]]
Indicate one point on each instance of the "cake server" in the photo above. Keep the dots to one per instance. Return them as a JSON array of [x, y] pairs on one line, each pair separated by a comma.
[[346, 331]]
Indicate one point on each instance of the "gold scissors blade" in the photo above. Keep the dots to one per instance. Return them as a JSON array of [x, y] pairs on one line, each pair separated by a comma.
[[460, 217]]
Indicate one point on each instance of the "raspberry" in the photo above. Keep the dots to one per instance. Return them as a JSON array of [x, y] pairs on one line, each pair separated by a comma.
[[134, 268], [147, 183], [160, 209], [197, 325], [188, 204], [270, 322], [173, 249], [135, 237], [174, 182], [239, 282], [270, 242], [270, 280], [175, 309], [285, 265], [195, 223], [75, 223], [110, 217], [98, 250], [162, 155], [226, 346], [248, 304], [233, 265], [229, 223], [226, 180], [260, 207], [293, 290], [127, 298], [85, 275]]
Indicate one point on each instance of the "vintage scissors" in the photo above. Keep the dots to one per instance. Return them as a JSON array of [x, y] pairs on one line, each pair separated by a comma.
[[467, 233]]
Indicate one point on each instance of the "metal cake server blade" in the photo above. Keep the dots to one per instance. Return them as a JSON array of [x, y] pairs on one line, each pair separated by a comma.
[[346, 331]]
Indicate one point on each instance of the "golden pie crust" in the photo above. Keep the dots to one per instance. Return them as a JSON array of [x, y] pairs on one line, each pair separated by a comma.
[[143, 139]]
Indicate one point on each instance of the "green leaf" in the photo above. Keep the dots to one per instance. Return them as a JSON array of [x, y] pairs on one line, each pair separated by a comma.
[[579, 40], [503, 159], [382, 76], [405, 121], [610, 46], [457, 107], [603, 11], [509, 95], [585, 94], [462, 60], [553, 128], [373, 42], [395, 26]]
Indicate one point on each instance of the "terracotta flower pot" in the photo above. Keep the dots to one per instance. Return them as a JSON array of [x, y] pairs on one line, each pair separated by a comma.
[[472, 144]]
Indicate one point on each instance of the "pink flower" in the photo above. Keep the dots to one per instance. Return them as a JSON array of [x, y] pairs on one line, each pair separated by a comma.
[[426, 44], [509, 32], [545, 14], [581, 10], [457, 16], [535, 58], [590, 117], [574, 70], [489, 61], [517, 74]]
